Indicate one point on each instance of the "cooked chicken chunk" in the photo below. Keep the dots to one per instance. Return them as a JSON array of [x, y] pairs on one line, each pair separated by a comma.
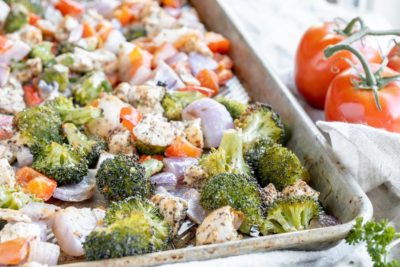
[[193, 132], [33, 68], [270, 194], [220, 226], [11, 97], [121, 141], [21, 229], [28, 34], [172, 208], [10, 215], [300, 188], [7, 174], [195, 176]]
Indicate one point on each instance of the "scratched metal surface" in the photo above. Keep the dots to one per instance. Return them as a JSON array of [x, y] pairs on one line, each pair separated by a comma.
[[340, 194]]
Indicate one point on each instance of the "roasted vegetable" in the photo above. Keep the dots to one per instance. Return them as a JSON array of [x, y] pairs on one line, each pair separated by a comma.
[[254, 153], [133, 32], [292, 214], [39, 124], [16, 19], [280, 166], [61, 162], [174, 102], [241, 193], [259, 121], [133, 227], [228, 157], [122, 177], [70, 113], [90, 86], [43, 51], [14, 198], [152, 166], [234, 107], [55, 76], [89, 148]]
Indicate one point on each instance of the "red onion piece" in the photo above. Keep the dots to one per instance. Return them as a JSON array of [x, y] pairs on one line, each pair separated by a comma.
[[195, 211], [166, 75], [178, 165], [165, 179], [180, 57], [215, 119], [4, 74], [77, 192], [198, 62], [44, 253], [24, 156]]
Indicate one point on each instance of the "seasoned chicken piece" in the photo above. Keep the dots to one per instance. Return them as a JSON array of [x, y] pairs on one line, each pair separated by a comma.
[[270, 194], [7, 151], [193, 132], [39, 211], [7, 174], [104, 60], [32, 68], [172, 208], [220, 226], [10, 215], [11, 97], [195, 176], [155, 19], [121, 141], [28, 34], [146, 98], [79, 61], [193, 42], [89, 43], [300, 188], [65, 27], [21, 229]]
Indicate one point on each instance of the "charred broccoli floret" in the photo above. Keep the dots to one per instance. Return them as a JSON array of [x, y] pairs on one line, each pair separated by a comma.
[[17, 18], [174, 102], [292, 214], [152, 166], [254, 153], [43, 51], [39, 124], [122, 177], [234, 107], [70, 113], [89, 148], [61, 162], [56, 76], [259, 121], [14, 198], [134, 226], [239, 191], [280, 166], [90, 86], [228, 157]]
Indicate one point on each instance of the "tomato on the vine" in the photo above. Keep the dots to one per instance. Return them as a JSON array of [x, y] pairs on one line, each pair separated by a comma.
[[313, 72], [394, 58]]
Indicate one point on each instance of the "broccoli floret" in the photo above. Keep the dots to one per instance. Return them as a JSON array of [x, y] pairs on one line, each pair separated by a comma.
[[133, 227], [228, 157], [134, 31], [61, 162], [254, 152], [292, 214], [259, 121], [279, 166], [152, 166], [234, 107], [43, 51], [89, 148], [90, 86], [39, 124], [239, 191], [14, 197], [122, 177], [56, 76], [70, 113], [174, 102], [16, 19], [34, 6]]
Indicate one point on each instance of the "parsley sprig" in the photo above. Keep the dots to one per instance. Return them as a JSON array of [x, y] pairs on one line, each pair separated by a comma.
[[379, 237]]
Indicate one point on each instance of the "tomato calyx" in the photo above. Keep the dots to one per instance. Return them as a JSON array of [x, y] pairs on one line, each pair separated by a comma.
[[369, 80]]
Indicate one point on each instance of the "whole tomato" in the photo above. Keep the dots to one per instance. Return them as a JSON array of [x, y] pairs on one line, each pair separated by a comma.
[[394, 58], [313, 72], [345, 102]]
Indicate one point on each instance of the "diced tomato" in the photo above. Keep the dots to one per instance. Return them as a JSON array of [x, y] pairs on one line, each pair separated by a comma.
[[69, 7], [224, 76], [130, 117], [205, 91], [33, 18], [25, 174], [164, 52], [217, 43], [31, 96], [88, 30], [5, 44], [13, 252], [181, 147], [42, 187], [208, 79], [124, 15], [171, 3]]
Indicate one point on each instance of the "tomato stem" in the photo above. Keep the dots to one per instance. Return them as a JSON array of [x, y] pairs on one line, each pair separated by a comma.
[[349, 27], [367, 31]]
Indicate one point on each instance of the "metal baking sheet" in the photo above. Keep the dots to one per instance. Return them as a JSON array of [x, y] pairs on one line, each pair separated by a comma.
[[340, 194]]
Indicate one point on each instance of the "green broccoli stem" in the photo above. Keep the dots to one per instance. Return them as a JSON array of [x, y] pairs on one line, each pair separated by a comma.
[[74, 136], [232, 144], [80, 116]]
